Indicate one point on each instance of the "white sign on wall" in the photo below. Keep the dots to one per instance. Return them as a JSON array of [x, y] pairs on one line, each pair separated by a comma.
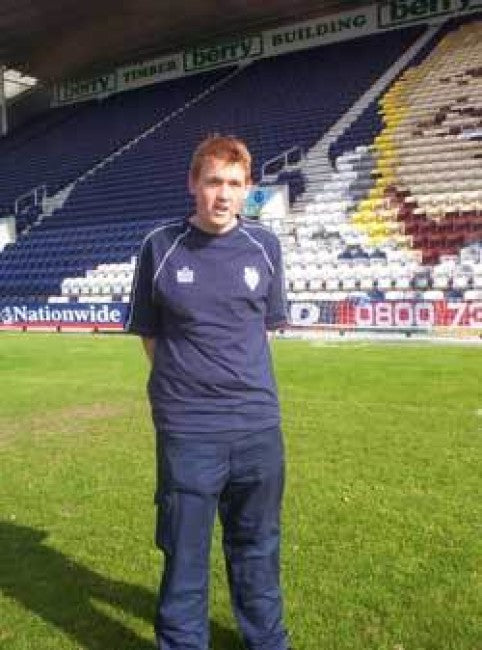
[[216, 55], [399, 13], [329, 29], [72, 91], [149, 72], [346, 25]]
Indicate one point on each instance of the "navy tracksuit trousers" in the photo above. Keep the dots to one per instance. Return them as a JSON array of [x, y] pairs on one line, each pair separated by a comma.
[[242, 480]]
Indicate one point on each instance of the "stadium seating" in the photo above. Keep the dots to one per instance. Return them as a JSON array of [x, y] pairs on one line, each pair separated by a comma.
[[414, 190], [397, 212], [61, 145]]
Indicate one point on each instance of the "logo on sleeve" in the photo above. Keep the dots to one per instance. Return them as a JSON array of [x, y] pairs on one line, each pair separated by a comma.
[[251, 277], [185, 275]]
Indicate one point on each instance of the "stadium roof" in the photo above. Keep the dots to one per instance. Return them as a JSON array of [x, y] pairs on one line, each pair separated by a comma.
[[51, 39]]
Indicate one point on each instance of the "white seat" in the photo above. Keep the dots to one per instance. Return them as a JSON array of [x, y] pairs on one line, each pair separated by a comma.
[[332, 284], [402, 281], [460, 281], [84, 285], [441, 280], [66, 286], [384, 281], [366, 283], [349, 282], [315, 284], [433, 295]]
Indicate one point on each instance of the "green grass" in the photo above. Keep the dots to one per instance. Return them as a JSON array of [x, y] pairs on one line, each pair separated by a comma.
[[382, 536]]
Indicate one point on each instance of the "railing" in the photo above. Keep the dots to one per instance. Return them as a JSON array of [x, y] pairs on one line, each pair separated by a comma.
[[288, 161], [31, 198]]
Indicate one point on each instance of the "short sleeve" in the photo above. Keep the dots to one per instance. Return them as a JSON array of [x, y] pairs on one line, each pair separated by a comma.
[[277, 308], [144, 317]]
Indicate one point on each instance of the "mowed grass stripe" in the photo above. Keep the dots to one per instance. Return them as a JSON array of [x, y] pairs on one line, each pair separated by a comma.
[[382, 517]]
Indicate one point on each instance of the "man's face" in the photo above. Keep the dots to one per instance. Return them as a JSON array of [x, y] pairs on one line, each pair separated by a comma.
[[219, 192]]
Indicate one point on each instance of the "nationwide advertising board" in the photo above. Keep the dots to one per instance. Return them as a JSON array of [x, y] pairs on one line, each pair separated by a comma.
[[242, 50], [355, 314], [66, 316]]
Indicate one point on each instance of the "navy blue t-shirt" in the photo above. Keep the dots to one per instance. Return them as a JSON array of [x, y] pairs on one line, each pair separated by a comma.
[[208, 301]]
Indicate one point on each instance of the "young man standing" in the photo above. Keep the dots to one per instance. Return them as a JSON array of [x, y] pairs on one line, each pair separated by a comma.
[[205, 293]]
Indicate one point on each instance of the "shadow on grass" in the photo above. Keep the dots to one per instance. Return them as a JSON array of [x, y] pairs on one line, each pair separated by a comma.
[[65, 594], [222, 638]]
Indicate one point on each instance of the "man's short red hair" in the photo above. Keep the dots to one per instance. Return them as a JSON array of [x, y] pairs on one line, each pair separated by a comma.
[[227, 148]]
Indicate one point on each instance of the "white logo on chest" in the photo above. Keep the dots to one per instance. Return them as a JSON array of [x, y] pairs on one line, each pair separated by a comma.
[[251, 277], [185, 275]]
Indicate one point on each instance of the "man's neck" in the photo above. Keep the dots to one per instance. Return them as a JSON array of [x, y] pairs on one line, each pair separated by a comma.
[[213, 230]]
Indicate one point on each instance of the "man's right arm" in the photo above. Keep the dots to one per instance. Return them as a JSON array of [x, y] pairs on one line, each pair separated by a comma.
[[149, 346], [144, 318]]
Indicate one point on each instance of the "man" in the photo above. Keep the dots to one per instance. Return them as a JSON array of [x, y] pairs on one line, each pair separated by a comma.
[[205, 292]]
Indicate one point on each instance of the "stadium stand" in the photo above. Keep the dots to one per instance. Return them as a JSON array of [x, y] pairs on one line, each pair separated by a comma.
[[385, 209], [271, 103], [409, 198], [64, 143]]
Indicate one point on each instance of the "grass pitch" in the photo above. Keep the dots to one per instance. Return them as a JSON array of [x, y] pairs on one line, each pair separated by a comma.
[[382, 543]]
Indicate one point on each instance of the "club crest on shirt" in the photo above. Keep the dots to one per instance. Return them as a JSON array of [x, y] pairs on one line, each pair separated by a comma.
[[251, 277], [185, 275]]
